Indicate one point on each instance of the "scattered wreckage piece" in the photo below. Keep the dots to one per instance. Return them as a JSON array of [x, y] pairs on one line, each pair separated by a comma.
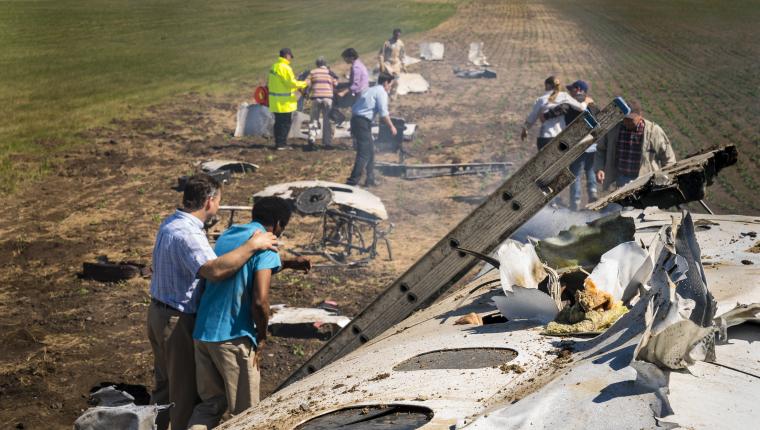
[[420, 171], [411, 83], [232, 166], [351, 220], [431, 51], [682, 182], [254, 120], [116, 409], [512, 204], [343, 195], [476, 56], [576, 384], [305, 323], [474, 73], [104, 270], [408, 61]]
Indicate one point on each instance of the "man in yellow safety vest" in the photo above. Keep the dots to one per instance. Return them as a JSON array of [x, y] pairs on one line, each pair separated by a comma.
[[283, 100]]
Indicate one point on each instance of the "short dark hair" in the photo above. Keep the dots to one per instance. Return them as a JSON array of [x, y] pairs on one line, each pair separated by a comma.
[[268, 211], [635, 107], [350, 53], [198, 189], [396, 30], [384, 77]]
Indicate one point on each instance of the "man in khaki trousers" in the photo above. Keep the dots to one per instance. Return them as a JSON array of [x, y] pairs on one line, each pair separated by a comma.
[[231, 324], [181, 257]]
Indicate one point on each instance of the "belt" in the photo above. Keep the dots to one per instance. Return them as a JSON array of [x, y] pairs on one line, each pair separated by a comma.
[[163, 305], [362, 117]]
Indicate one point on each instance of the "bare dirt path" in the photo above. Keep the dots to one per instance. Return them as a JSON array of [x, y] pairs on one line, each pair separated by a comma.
[[61, 335]]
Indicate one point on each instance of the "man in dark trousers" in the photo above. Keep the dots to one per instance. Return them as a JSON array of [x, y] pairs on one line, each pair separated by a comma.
[[283, 98], [373, 100]]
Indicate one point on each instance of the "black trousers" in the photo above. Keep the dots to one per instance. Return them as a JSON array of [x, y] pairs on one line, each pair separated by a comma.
[[282, 123], [361, 132]]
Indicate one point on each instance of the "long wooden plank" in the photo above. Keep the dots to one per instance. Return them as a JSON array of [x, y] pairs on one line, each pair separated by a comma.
[[512, 204]]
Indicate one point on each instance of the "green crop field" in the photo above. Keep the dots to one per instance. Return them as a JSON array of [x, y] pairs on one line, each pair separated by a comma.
[[68, 65]]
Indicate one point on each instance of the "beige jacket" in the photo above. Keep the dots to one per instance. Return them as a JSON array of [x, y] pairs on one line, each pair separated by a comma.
[[656, 152]]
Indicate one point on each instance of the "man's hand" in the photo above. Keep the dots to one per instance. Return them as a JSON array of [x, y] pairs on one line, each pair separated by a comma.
[[393, 130], [588, 100], [262, 240], [259, 349], [524, 134], [600, 176], [541, 117], [342, 93], [298, 263]]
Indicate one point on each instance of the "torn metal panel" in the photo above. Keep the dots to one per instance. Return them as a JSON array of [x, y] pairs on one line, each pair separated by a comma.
[[420, 171], [411, 83], [305, 323], [683, 182], [343, 195], [431, 51], [476, 56]]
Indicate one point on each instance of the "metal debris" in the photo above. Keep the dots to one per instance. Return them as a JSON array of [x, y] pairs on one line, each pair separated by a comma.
[[420, 171], [682, 182]]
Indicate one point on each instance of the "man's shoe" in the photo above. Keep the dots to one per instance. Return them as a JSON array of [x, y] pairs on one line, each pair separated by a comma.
[[371, 184], [280, 148], [592, 197]]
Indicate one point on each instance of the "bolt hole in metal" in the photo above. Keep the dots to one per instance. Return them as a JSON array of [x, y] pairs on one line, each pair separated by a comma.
[[363, 339], [411, 297], [507, 196], [464, 358], [372, 417], [516, 206], [563, 146], [355, 329], [404, 287]]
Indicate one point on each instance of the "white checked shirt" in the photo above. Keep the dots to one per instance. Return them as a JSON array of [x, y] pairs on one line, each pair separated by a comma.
[[552, 126], [181, 249]]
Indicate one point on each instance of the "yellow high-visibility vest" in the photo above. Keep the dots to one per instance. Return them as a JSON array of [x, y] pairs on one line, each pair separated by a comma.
[[282, 86]]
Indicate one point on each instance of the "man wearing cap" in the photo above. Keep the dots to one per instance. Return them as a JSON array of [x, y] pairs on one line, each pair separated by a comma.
[[634, 147], [391, 58], [283, 100], [585, 163], [373, 100]]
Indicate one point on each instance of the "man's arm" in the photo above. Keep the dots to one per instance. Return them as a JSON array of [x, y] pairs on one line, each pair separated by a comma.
[[260, 306], [290, 78], [381, 104], [226, 265], [665, 154]]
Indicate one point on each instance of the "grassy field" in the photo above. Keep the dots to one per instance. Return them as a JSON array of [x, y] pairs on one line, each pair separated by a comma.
[[67, 65]]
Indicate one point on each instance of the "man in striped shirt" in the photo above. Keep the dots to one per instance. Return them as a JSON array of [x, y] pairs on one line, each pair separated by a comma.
[[322, 85]]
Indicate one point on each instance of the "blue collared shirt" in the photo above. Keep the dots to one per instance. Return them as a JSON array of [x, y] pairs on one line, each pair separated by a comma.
[[373, 100], [225, 310], [181, 249]]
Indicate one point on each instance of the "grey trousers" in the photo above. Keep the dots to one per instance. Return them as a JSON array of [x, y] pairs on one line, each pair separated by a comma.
[[228, 380], [171, 337]]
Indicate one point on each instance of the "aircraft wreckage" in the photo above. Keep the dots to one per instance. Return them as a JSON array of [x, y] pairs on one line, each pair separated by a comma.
[[640, 318]]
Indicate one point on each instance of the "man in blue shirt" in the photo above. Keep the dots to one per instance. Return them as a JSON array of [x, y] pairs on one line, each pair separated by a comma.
[[373, 100], [181, 257], [232, 320]]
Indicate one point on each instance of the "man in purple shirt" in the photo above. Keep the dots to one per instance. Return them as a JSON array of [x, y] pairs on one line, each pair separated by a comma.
[[348, 92]]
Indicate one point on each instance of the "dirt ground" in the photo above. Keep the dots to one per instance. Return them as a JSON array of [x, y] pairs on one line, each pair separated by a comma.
[[61, 335]]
